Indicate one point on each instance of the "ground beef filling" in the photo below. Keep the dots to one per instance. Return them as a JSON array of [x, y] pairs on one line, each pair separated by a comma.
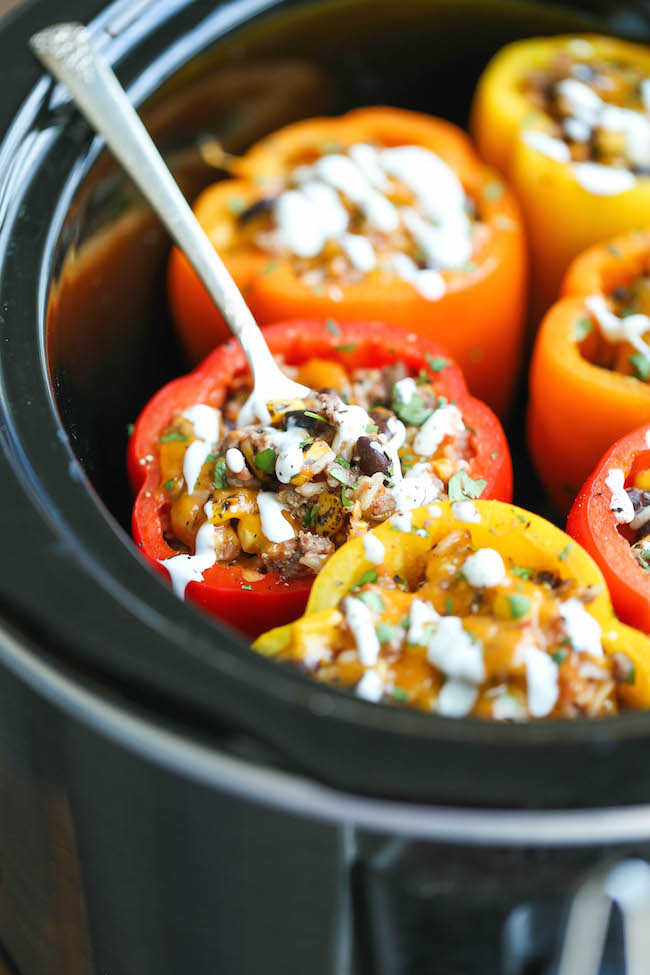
[[476, 634], [338, 462], [575, 92]]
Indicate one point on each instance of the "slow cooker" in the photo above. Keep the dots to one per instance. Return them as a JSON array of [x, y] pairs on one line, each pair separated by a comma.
[[169, 801]]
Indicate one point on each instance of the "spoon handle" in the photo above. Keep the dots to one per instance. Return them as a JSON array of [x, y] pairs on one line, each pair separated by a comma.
[[68, 54]]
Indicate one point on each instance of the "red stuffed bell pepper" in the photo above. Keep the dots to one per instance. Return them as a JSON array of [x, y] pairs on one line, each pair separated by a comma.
[[392, 428], [611, 520]]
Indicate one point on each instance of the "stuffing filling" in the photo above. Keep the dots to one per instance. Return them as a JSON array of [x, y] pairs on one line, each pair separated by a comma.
[[282, 497], [474, 633], [352, 211], [630, 505], [614, 332], [600, 109]]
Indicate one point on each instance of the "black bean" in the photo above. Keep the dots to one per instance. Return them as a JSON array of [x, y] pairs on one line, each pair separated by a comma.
[[380, 415], [371, 460], [313, 425], [258, 209]]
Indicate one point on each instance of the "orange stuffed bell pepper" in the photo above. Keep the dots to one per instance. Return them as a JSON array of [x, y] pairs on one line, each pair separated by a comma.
[[380, 214], [472, 608], [611, 519], [590, 372], [567, 120], [240, 519]]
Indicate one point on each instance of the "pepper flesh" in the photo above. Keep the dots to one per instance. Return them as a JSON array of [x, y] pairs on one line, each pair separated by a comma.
[[578, 409], [253, 606], [546, 188], [479, 319], [527, 539], [593, 524]]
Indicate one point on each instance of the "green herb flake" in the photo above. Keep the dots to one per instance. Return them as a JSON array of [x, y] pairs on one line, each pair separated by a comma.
[[130, 427], [236, 204], [582, 328], [344, 500], [613, 250], [641, 365], [405, 622], [494, 454], [368, 577], [372, 428], [169, 485], [564, 554], [265, 460], [333, 328], [559, 656], [414, 412], [493, 190], [270, 267], [338, 476], [461, 487], [315, 416], [247, 587], [220, 476], [399, 694], [342, 462], [347, 347], [522, 571], [172, 435], [385, 632], [373, 601], [437, 362], [449, 606], [519, 605], [423, 378], [631, 677]]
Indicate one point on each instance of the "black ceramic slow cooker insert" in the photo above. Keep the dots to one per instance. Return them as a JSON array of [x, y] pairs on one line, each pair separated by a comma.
[[170, 801]]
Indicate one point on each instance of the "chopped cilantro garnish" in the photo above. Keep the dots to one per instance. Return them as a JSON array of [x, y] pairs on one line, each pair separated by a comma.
[[172, 435], [413, 412], [347, 347], [344, 500], [305, 443], [494, 454], [309, 517], [386, 632], [315, 416], [372, 428], [559, 656], [373, 600], [338, 476], [613, 250], [493, 190], [367, 577], [247, 587], [342, 461], [519, 605], [631, 677], [641, 365], [333, 328], [236, 204], [400, 695], [271, 267], [461, 487], [168, 485], [220, 477], [130, 427], [405, 622], [423, 378], [582, 328], [265, 460], [448, 606], [564, 554], [437, 362], [521, 571]]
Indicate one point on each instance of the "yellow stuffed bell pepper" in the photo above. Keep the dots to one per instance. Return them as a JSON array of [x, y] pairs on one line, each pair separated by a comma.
[[567, 120], [469, 608]]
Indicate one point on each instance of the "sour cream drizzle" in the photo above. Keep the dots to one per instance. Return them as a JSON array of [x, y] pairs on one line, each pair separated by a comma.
[[184, 569], [312, 213], [620, 502], [275, 526], [206, 422], [630, 328]]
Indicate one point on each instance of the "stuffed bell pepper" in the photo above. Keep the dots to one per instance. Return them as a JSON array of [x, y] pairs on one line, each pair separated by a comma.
[[590, 373], [611, 519], [380, 214], [468, 608], [567, 120], [241, 518]]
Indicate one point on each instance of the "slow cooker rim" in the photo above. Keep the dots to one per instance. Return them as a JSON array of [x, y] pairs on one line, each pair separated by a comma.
[[400, 722]]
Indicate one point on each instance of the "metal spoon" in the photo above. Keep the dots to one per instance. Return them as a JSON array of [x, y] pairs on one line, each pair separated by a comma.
[[67, 52]]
